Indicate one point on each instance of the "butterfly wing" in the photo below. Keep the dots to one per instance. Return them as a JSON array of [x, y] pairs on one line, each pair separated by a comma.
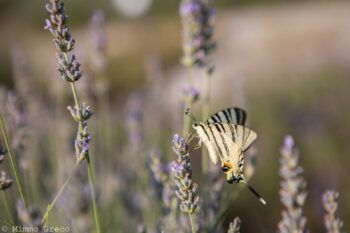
[[242, 136], [229, 115], [207, 138]]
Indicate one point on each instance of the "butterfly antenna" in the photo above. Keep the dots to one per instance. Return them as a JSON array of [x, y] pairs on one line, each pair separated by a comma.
[[255, 193], [188, 113]]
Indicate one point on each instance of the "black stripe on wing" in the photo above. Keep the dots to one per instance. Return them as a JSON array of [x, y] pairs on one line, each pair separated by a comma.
[[229, 115]]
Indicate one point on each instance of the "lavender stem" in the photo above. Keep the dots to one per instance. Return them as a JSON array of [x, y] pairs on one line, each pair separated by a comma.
[[205, 116]]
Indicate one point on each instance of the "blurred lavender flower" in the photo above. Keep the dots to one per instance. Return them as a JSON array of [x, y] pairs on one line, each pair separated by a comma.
[[197, 20], [98, 41], [330, 203], [2, 152], [165, 190], [81, 115], [292, 190], [69, 68], [30, 217], [214, 196], [21, 73], [16, 124], [181, 173], [5, 181], [141, 229], [235, 226], [76, 201], [134, 120], [190, 94], [98, 62]]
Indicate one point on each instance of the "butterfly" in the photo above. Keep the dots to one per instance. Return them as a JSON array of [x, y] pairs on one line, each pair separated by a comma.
[[226, 138]]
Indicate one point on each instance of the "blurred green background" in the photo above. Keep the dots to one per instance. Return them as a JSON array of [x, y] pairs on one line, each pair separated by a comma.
[[286, 62]]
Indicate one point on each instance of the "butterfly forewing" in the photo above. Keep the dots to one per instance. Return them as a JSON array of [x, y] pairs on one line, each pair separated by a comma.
[[208, 139], [229, 115]]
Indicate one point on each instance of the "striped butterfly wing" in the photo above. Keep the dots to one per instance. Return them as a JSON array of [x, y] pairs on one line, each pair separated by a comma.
[[229, 115], [244, 137], [240, 135], [210, 139], [220, 145]]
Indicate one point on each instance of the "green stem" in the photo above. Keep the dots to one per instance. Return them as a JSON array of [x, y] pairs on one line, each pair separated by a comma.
[[192, 223], [74, 91], [13, 162], [90, 172], [94, 205], [188, 104], [205, 115], [52, 204], [7, 207]]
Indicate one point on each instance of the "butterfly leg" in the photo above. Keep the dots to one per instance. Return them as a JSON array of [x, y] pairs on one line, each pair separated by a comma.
[[189, 137], [199, 145]]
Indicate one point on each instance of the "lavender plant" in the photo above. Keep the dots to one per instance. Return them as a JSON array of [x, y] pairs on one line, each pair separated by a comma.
[[181, 171], [292, 192], [330, 204], [69, 69]]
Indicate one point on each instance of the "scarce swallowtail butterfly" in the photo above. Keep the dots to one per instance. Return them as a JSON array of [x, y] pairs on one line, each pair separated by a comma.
[[226, 139]]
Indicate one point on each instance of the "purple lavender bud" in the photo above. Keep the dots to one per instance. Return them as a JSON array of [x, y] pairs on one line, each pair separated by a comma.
[[189, 8], [47, 25], [288, 143], [85, 143], [330, 203], [180, 146]]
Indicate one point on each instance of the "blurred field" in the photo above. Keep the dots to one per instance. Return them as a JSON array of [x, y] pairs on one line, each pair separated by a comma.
[[286, 63]]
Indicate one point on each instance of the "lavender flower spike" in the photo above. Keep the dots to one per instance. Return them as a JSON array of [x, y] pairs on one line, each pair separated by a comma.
[[292, 190], [69, 68], [235, 226], [197, 20], [330, 203], [181, 173], [81, 115]]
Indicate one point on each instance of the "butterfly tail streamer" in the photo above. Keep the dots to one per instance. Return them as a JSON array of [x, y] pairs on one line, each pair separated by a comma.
[[255, 193]]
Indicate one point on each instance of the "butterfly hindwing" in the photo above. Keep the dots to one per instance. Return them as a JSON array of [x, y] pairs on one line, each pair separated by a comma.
[[229, 115], [244, 137]]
